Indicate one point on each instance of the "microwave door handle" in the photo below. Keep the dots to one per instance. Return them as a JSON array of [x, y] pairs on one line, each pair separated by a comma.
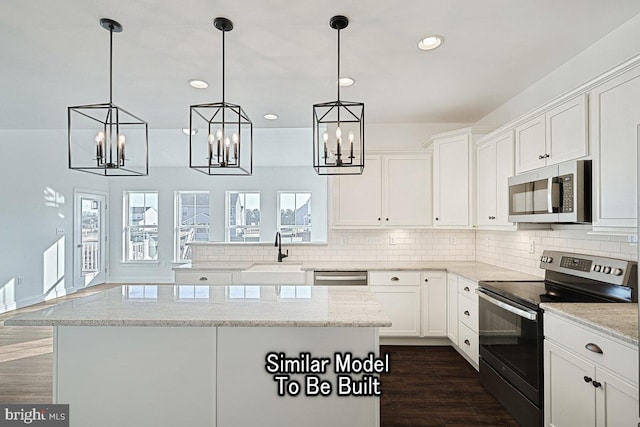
[[550, 195]]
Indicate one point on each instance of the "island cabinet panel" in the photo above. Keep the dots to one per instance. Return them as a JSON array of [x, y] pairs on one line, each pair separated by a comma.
[[247, 392], [136, 376]]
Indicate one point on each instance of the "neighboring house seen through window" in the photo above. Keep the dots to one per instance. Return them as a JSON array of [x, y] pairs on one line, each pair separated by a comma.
[[294, 218], [243, 216], [140, 226], [192, 220]]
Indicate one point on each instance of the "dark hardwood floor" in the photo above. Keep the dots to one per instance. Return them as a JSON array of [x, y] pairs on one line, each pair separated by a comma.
[[435, 386]]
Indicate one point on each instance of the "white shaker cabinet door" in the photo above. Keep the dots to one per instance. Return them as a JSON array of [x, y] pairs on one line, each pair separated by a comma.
[[530, 140], [357, 198], [407, 190]]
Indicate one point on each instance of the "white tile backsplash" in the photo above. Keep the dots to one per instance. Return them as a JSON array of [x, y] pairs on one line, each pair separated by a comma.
[[360, 245], [510, 249]]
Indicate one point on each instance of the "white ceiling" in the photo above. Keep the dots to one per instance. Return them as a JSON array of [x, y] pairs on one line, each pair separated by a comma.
[[281, 55]]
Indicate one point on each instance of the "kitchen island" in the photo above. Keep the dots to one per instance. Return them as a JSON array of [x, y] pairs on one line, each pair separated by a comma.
[[164, 355]]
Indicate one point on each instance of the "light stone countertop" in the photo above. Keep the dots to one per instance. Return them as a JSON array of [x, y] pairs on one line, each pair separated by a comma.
[[475, 271], [206, 306], [617, 320]]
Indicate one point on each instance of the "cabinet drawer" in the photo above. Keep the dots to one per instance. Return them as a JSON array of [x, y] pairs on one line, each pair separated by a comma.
[[468, 288], [204, 278], [381, 278], [615, 356], [468, 342], [468, 313]]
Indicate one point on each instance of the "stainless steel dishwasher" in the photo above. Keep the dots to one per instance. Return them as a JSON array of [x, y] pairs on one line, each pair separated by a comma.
[[340, 278]]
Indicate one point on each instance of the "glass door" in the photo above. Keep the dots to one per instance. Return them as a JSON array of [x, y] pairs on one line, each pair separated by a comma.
[[89, 240]]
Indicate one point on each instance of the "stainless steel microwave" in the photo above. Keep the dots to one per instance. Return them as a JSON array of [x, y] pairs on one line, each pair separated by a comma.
[[555, 194]]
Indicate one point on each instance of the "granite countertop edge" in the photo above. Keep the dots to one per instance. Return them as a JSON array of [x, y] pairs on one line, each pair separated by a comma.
[[587, 319]]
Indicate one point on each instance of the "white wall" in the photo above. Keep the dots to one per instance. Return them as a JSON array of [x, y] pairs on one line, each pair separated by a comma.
[[169, 180], [37, 192], [616, 47]]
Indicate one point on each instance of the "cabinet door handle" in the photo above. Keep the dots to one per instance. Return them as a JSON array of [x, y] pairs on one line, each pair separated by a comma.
[[379, 219], [426, 280], [596, 384], [394, 279], [466, 289], [387, 219], [203, 279], [540, 157], [587, 379], [546, 156], [437, 219], [593, 347], [466, 313], [467, 342]]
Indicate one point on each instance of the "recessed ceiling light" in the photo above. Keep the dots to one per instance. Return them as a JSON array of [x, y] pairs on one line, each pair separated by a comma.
[[186, 131], [271, 116], [346, 81], [430, 42], [198, 84]]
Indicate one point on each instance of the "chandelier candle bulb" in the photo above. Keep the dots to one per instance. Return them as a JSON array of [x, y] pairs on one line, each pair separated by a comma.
[[351, 136], [226, 150], [210, 148], [121, 143]]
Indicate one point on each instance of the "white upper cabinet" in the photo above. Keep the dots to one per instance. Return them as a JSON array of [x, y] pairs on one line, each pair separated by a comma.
[[494, 167], [358, 198], [614, 114], [556, 136], [453, 177], [394, 190]]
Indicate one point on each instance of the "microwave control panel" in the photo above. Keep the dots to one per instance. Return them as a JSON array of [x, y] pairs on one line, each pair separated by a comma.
[[566, 183]]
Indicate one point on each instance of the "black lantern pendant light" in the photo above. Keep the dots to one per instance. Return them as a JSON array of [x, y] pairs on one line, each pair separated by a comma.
[[344, 154], [105, 139], [227, 146]]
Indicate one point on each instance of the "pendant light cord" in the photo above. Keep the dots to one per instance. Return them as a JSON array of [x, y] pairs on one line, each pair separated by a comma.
[[111, 64], [223, 54], [338, 64]]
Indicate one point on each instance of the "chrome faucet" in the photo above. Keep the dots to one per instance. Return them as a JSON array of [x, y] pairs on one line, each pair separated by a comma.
[[279, 245]]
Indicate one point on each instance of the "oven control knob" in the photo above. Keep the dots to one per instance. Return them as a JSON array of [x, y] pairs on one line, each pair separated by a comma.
[[606, 270], [597, 268], [616, 272]]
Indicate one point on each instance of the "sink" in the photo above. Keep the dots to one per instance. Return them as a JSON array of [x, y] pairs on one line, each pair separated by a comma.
[[274, 274]]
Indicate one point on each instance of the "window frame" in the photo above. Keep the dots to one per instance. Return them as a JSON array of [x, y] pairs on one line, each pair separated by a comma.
[[228, 227], [279, 225], [126, 229], [177, 228]]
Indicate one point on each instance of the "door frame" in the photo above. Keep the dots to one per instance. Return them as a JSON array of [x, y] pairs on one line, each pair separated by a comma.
[[103, 197]]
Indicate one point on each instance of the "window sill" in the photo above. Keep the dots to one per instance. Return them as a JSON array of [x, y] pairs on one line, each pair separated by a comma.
[[140, 262]]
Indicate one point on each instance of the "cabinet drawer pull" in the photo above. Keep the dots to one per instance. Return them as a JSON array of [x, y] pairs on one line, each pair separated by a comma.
[[593, 347], [394, 279], [467, 342], [596, 384], [466, 313], [203, 279], [587, 379], [466, 289]]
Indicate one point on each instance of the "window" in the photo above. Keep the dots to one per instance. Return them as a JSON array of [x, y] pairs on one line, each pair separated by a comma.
[[140, 226], [243, 216], [294, 221], [191, 221]]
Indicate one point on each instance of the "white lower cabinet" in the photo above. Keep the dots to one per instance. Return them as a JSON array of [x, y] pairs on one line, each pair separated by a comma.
[[462, 316], [587, 388], [399, 295], [415, 302], [434, 304]]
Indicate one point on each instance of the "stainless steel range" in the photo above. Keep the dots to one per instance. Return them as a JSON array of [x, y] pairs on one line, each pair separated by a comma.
[[510, 320]]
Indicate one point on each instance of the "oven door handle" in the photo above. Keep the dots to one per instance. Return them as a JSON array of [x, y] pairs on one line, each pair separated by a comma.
[[527, 314]]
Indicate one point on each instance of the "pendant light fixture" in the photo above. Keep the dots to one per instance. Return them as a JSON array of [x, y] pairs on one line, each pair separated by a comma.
[[344, 154], [226, 148], [105, 139]]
